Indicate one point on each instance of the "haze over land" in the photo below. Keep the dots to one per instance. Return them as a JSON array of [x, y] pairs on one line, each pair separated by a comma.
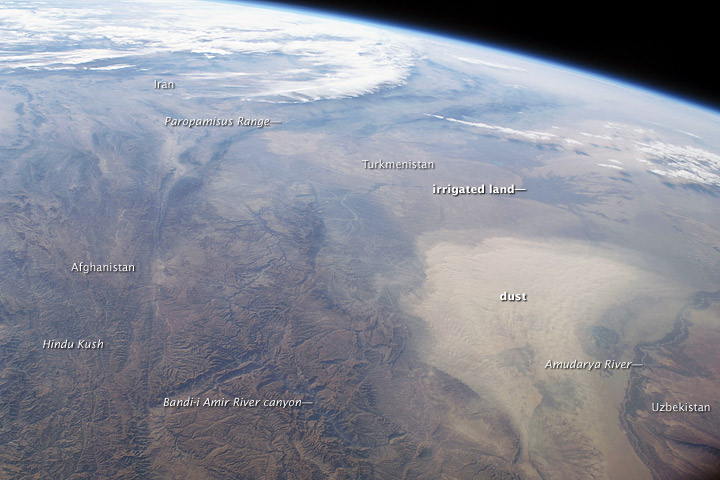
[[272, 265]]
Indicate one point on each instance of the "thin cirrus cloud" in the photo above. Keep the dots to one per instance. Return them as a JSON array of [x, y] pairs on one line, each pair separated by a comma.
[[501, 66], [526, 135]]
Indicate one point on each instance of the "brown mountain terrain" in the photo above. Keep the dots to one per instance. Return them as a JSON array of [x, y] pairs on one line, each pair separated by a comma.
[[681, 368]]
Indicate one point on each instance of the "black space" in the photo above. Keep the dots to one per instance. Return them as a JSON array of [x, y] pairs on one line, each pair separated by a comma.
[[671, 50]]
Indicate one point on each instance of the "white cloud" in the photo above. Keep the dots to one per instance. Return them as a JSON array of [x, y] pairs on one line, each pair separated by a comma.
[[601, 137], [683, 162], [304, 57], [572, 142], [117, 66]]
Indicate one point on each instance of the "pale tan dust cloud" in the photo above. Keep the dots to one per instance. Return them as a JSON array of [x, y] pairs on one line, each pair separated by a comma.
[[500, 349]]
